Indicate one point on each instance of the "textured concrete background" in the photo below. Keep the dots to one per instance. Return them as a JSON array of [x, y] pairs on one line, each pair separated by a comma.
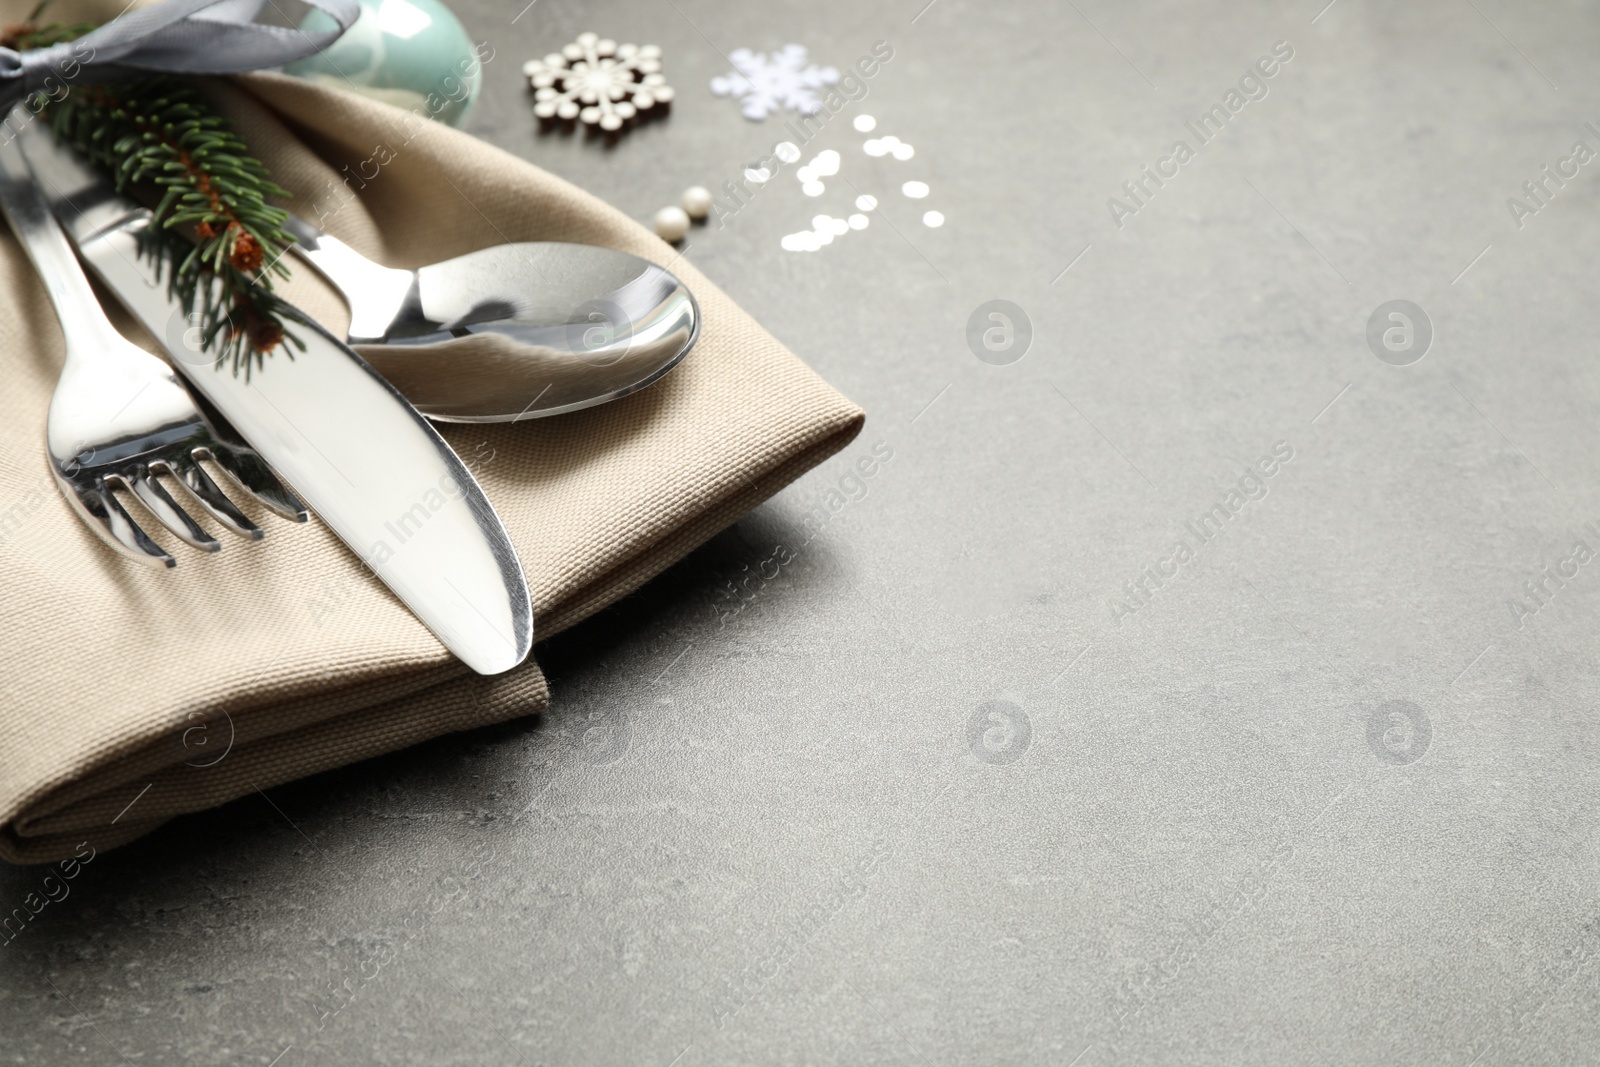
[[1323, 797]]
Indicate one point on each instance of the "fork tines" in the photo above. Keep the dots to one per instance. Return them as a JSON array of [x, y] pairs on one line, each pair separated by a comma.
[[94, 493]]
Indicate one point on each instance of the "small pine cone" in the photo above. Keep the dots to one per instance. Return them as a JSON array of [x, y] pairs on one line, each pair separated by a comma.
[[247, 253], [265, 335]]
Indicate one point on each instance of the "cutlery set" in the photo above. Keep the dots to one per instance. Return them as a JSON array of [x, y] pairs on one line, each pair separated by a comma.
[[510, 332]]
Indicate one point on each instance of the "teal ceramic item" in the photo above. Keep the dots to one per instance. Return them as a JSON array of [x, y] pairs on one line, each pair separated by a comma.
[[414, 54]]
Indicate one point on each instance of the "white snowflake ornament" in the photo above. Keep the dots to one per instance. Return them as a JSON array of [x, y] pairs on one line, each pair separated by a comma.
[[598, 81], [768, 82]]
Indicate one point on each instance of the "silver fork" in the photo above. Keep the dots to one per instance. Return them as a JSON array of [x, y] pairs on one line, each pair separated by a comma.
[[120, 417]]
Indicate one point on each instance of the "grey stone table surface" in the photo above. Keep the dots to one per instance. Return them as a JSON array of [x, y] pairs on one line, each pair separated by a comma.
[[968, 761]]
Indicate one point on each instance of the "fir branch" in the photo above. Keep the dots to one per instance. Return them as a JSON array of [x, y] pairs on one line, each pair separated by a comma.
[[231, 304], [161, 134]]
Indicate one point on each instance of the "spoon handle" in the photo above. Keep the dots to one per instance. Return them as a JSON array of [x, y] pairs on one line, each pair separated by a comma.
[[375, 293]]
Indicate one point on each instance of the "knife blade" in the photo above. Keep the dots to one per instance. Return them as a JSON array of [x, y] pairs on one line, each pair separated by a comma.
[[361, 457]]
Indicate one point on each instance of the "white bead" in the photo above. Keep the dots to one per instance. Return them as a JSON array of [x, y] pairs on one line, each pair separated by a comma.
[[671, 224], [697, 201]]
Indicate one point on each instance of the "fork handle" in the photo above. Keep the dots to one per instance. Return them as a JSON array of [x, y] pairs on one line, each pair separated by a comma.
[[83, 320]]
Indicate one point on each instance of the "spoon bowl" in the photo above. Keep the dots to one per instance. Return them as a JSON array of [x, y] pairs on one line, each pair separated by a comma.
[[514, 331]]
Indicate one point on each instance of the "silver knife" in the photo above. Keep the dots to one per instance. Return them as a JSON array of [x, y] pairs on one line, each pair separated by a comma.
[[348, 443]]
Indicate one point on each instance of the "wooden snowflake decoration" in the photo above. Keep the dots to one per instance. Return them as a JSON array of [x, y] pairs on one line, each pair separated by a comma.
[[598, 81]]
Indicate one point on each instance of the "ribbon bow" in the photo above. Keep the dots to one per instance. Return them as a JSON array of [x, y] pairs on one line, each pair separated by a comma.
[[176, 37]]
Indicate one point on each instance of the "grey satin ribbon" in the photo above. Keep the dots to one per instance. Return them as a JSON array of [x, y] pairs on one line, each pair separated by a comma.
[[176, 37]]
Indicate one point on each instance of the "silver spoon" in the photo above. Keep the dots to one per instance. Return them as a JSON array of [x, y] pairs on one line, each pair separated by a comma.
[[514, 331]]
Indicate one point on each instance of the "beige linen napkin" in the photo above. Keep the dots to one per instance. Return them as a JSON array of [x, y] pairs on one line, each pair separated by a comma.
[[121, 686]]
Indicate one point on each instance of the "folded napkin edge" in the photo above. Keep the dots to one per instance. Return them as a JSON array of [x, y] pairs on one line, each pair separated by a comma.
[[44, 832]]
